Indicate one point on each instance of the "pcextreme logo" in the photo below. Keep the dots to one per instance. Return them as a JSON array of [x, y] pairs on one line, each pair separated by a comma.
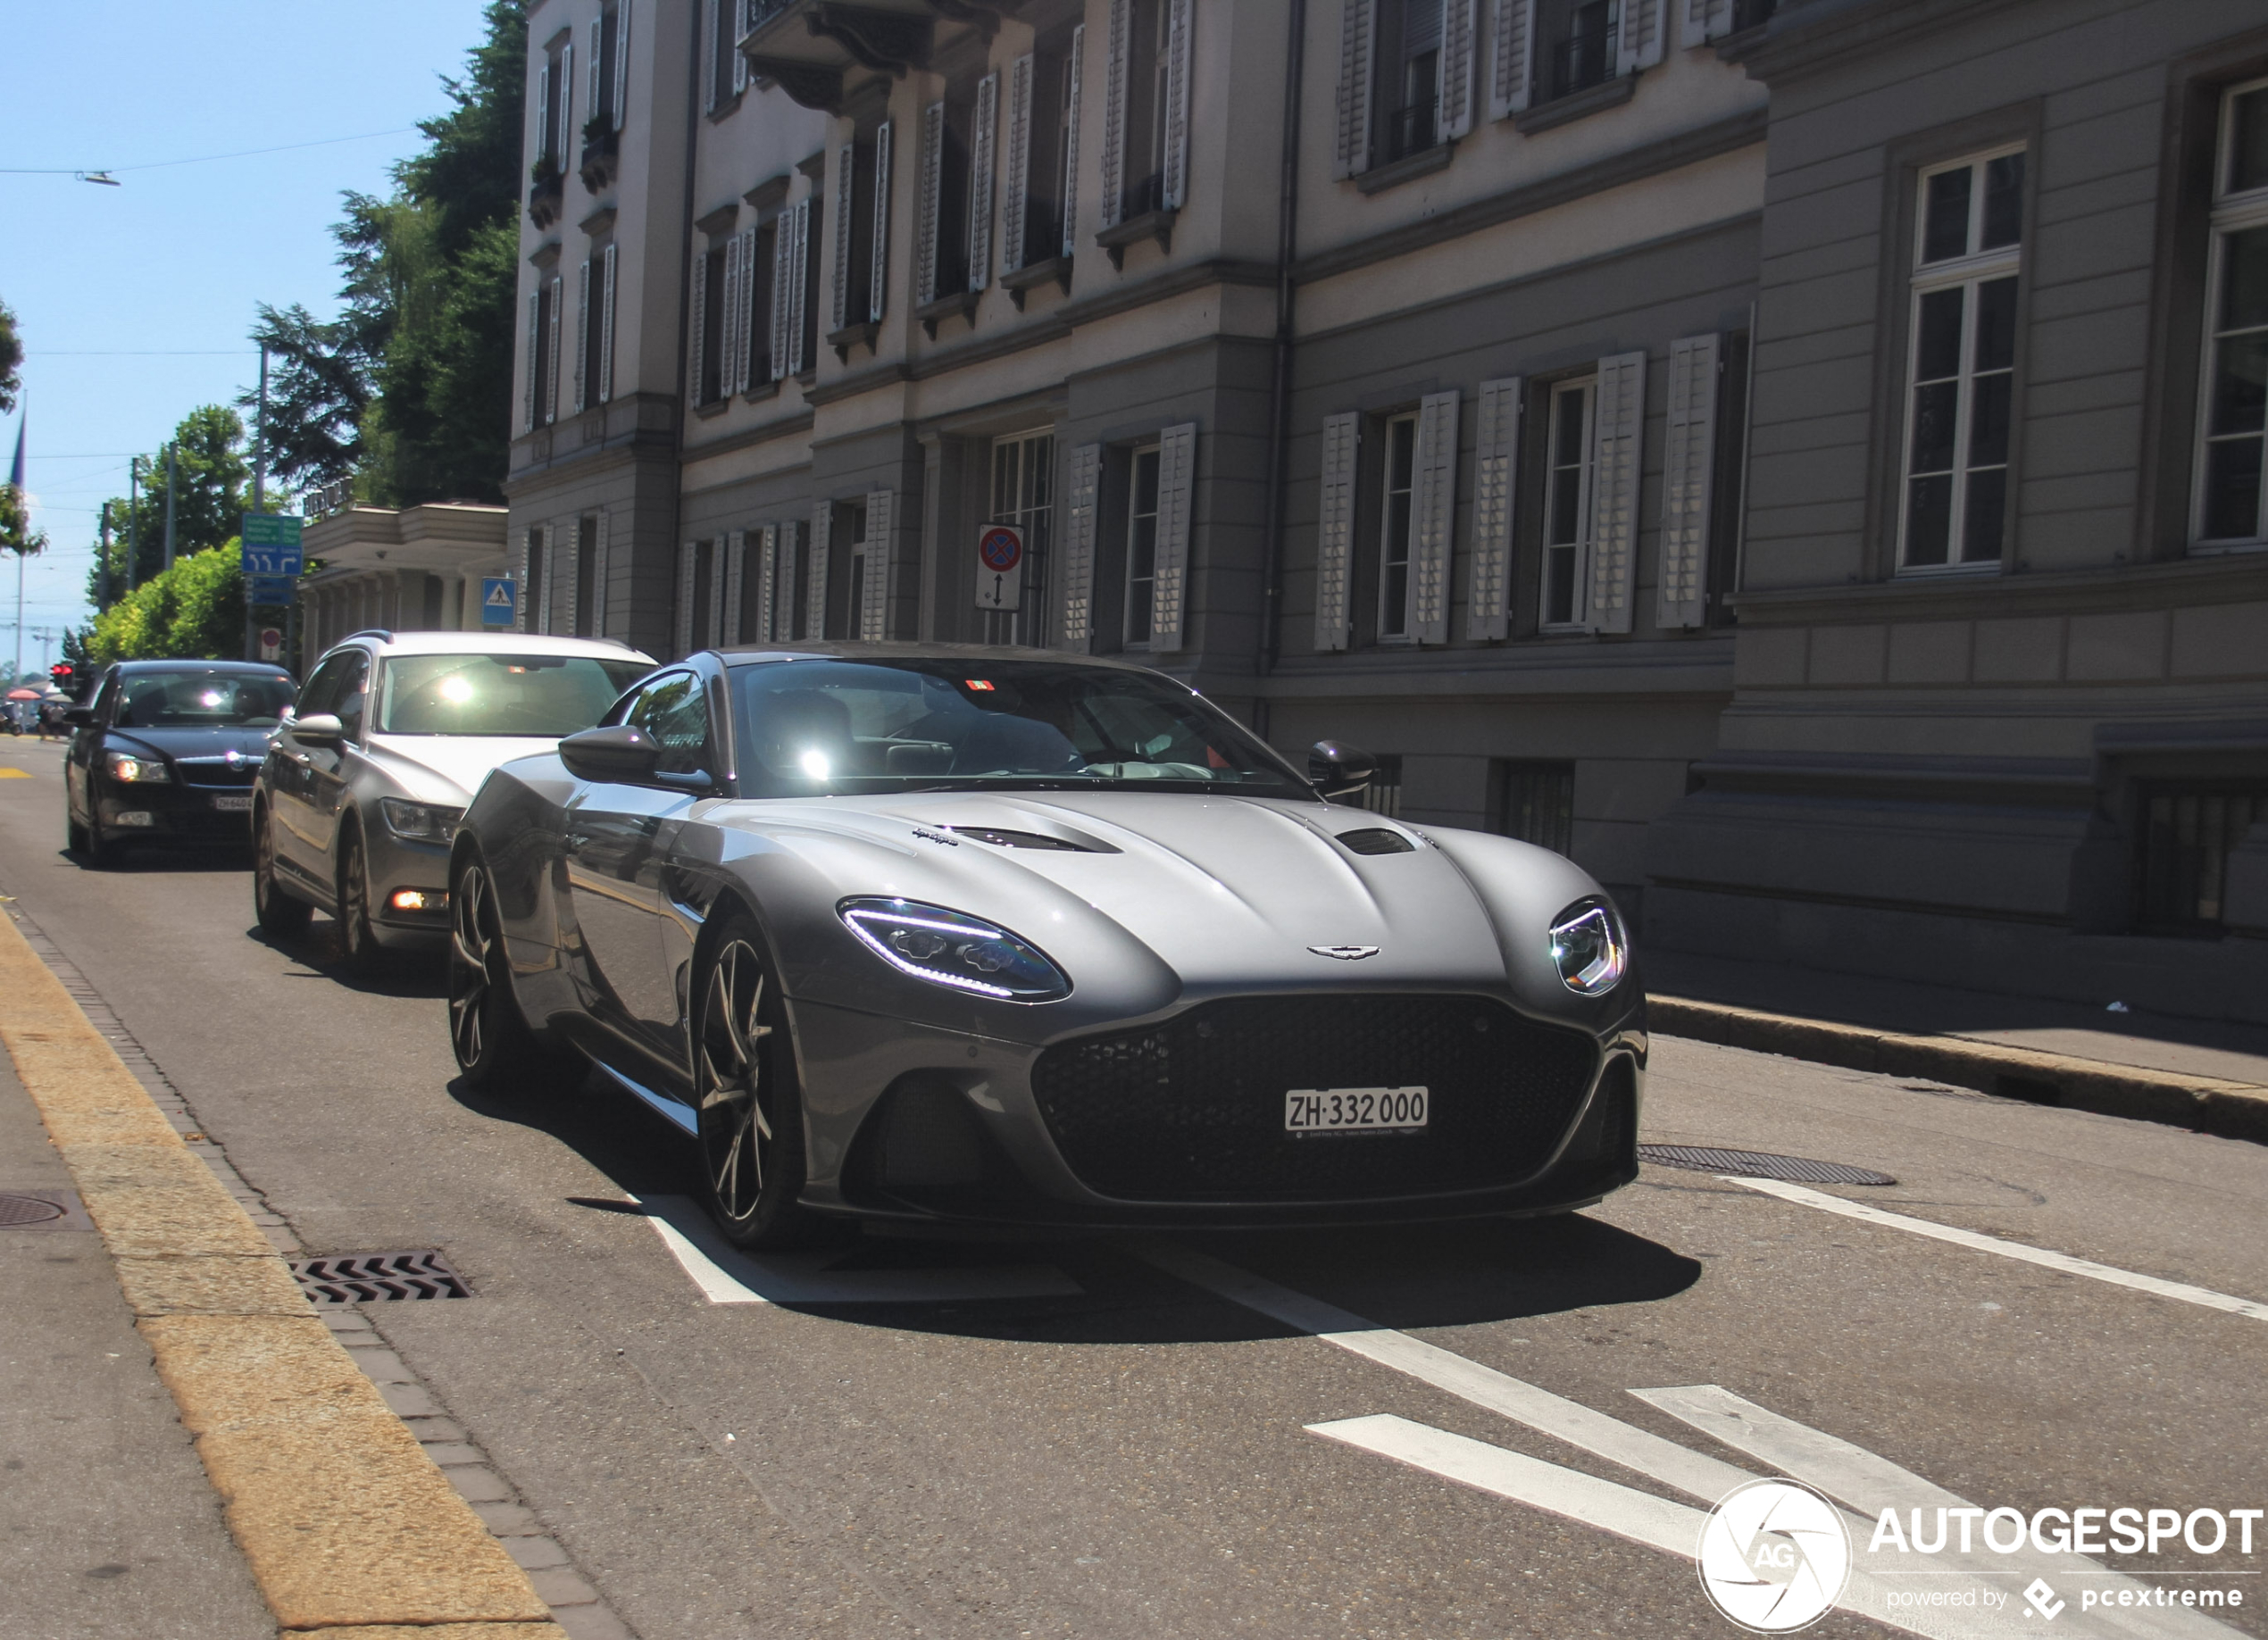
[[1774, 1556]]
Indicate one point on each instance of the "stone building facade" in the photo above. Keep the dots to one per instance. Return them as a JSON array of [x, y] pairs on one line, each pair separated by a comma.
[[1793, 459]]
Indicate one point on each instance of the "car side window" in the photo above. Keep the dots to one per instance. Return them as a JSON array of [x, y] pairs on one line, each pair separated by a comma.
[[323, 688], [354, 690], [673, 709], [107, 702]]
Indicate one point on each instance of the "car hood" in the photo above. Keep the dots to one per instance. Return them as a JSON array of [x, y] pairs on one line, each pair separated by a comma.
[[447, 768], [251, 742]]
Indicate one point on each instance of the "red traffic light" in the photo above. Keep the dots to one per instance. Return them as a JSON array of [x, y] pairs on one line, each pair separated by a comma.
[[60, 671]]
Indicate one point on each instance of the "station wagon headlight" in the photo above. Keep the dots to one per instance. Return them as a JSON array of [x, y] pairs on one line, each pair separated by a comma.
[[419, 822], [1588, 946], [952, 948], [129, 770]]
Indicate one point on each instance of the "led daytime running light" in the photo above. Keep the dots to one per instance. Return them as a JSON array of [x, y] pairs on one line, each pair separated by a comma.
[[876, 922]]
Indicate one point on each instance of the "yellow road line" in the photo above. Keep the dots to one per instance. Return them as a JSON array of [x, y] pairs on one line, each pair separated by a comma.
[[346, 1524], [15, 774]]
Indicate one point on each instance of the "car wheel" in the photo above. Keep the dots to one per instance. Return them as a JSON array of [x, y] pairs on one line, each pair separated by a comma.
[[279, 912], [74, 833], [489, 1035], [99, 850], [364, 955], [744, 1088]]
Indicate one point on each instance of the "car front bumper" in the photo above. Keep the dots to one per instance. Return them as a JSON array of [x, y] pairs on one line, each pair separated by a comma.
[[398, 865]]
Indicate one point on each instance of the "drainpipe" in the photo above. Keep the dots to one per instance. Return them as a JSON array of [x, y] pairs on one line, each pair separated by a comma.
[[1279, 386], [684, 309]]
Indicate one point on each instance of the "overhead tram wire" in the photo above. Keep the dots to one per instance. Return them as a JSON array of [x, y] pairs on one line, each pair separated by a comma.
[[108, 174]]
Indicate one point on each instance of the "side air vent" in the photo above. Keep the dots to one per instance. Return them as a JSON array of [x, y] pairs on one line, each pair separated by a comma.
[[1027, 839], [1376, 840]]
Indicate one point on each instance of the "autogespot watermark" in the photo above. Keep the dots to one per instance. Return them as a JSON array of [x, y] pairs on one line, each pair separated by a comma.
[[1774, 1556]]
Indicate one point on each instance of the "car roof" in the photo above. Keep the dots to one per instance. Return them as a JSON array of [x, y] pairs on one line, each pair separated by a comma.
[[193, 663], [496, 643], [744, 654]]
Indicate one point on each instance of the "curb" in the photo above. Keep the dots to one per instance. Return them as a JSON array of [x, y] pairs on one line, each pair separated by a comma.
[[2229, 1110], [348, 1526]]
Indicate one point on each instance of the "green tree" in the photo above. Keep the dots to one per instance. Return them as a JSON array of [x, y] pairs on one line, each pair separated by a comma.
[[11, 358], [210, 497], [194, 610]]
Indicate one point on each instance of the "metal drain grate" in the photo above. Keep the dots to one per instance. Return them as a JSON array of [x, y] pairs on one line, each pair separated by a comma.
[[1759, 1164], [370, 1277], [19, 1209]]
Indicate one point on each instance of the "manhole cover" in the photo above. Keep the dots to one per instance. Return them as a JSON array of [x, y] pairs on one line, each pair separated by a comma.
[[15, 1210], [371, 1277], [1759, 1164]]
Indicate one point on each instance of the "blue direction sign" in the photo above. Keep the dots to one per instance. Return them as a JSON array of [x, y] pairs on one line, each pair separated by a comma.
[[271, 544], [269, 588], [499, 601]]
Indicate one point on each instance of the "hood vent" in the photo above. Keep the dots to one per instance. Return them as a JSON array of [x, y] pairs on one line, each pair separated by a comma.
[[1000, 837], [1376, 840]]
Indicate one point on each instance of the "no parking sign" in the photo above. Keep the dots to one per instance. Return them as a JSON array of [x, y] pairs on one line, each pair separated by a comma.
[[1000, 566]]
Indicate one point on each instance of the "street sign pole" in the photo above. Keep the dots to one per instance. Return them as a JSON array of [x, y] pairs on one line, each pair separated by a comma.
[[259, 492]]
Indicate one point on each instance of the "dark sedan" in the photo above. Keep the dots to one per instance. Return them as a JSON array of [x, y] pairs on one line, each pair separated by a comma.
[[168, 751]]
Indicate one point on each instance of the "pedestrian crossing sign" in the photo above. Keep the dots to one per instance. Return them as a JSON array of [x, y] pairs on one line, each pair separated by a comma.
[[499, 606]]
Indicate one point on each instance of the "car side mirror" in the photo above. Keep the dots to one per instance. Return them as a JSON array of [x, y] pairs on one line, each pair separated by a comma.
[[1339, 770], [79, 716], [615, 753], [320, 728]]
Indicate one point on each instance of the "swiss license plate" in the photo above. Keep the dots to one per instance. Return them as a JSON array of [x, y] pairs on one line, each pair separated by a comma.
[[233, 803], [1355, 1110]]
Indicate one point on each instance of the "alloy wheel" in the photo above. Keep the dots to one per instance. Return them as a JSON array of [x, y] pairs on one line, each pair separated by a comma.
[[735, 1096], [471, 947]]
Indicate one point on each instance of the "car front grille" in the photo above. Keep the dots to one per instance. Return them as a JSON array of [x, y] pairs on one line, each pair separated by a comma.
[[1192, 1109], [218, 773]]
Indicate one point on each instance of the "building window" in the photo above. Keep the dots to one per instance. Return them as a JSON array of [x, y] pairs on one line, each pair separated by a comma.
[[2229, 507], [1141, 545], [2188, 833], [850, 526], [1023, 473], [1577, 38], [1567, 498], [540, 386], [727, 71], [586, 572], [1534, 802], [761, 267], [1961, 363], [1409, 86], [1383, 795], [532, 611], [1394, 528], [711, 319], [1147, 95]]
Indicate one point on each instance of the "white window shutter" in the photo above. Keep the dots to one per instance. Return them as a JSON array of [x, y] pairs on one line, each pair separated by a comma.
[[1071, 139], [878, 289], [1121, 22], [566, 149], [543, 112], [709, 9], [1433, 511], [595, 99], [1016, 182], [1178, 24], [606, 330], [1496, 483], [582, 338], [1358, 24], [1705, 20], [1335, 529], [1079, 549], [551, 348], [1640, 45], [846, 190], [874, 605], [983, 135], [598, 578], [798, 314], [739, 62], [743, 355], [1511, 69], [1460, 33], [714, 635], [729, 332], [736, 552], [535, 362], [1688, 470], [621, 61], [697, 330], [767, 585], [1177, 483], [783, 252], [688, 559], [925, 250], [822, 526], [1616, 452], [529, 552], [571, 583]]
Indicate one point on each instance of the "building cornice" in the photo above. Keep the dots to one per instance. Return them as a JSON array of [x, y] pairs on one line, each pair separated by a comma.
[[1805, 39], [2221, 578]]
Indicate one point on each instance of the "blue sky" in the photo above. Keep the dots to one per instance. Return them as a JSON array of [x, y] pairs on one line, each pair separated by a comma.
[[133, 303]]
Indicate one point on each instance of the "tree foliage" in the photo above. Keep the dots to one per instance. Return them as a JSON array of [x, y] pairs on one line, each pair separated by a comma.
[[194, 610], [16, 533], [210, 472], [11, 358]]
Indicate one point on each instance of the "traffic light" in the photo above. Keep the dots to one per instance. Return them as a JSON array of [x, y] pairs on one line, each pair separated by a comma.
[[63, 676]]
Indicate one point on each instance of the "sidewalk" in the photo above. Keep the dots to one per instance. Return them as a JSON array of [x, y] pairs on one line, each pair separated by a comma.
[[2206, 1074]]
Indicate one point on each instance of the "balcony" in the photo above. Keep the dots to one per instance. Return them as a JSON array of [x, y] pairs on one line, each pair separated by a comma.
[[807, 47], [547, 190], [602, 153]]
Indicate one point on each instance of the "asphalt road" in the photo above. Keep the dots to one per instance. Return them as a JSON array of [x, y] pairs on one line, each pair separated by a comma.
[[1133, 1457]]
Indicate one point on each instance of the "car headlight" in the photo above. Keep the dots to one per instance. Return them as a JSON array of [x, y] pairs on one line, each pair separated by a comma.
[[951, 948], [419, 822], [1588, 946], [128, 769]]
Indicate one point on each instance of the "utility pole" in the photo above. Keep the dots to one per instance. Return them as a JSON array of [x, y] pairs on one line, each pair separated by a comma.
[[133, 518], [101, 565], [169, 506]]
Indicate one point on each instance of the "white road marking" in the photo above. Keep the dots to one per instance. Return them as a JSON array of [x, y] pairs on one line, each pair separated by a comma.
[[726, 1276], [2044, 1257]]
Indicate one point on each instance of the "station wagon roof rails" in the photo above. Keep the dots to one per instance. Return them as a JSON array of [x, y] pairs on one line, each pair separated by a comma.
[[380, 633]]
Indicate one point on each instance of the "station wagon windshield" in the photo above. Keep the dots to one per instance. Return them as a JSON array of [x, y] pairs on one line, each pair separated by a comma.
[[823, 725], [532, 697]]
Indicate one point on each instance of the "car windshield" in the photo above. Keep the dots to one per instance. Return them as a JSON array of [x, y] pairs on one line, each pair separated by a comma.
[[202, 700], [824, 725], [532, 697]]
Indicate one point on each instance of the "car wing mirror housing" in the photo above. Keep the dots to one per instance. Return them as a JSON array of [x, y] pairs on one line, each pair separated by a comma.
[[79, 716], [615, 753], [1338, 769], [319, 728]]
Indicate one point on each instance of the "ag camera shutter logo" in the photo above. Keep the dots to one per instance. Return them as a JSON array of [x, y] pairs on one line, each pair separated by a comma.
[[1774, 1556]]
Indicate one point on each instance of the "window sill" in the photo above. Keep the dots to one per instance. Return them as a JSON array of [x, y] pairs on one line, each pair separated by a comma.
[[1018, 281], [1424, 162], [1734, 48], [2221, 549], [1576, 106], [761, 392], [712, 407], [961, 302], [1157, 225], [860, 334], [726, 106], [1940, 572]]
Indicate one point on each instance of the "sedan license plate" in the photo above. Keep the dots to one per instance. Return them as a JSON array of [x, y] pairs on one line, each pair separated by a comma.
[[233, 803], [1355, 1110]]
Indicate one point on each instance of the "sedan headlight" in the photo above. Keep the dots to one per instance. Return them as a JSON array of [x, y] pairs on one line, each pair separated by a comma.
[[951, 948], [419, 822], [1588, 946], [129, 770]]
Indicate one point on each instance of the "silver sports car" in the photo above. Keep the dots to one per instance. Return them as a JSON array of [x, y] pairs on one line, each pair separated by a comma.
[[928, 932]]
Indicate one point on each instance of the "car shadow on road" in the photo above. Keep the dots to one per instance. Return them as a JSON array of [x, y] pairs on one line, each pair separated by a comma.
[[321, 955]]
